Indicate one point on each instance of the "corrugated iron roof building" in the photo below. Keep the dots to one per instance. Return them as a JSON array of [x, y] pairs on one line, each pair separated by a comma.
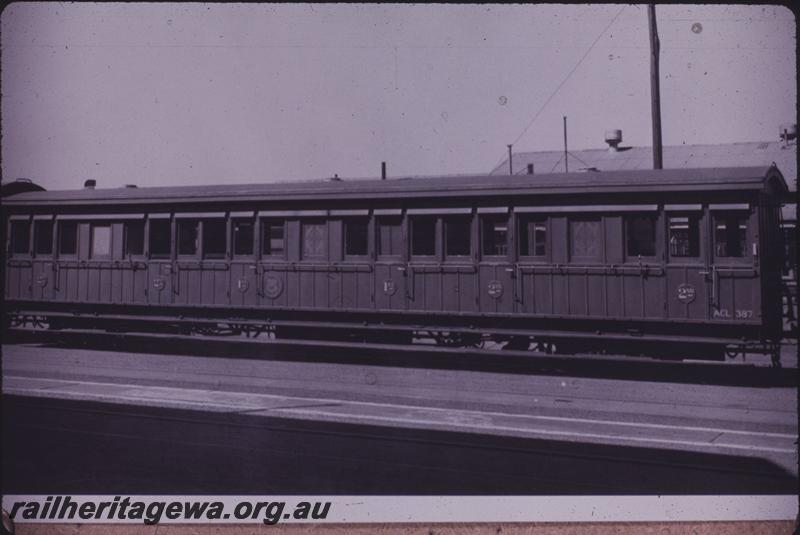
[[763, 153]]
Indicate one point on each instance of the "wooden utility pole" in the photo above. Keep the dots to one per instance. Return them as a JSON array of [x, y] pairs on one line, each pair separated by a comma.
[[655, 93]]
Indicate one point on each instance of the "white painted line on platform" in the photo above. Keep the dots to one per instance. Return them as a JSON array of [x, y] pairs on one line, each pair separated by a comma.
[[475, 420]]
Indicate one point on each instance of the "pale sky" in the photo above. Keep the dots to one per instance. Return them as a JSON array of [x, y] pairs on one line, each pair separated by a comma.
[[157, 94]]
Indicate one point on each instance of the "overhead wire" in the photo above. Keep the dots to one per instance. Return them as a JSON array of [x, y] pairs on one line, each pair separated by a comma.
[[567, 77]]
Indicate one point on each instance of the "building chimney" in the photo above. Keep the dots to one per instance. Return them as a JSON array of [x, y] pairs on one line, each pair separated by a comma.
[[613, 138], [383, 170], [90, 184]]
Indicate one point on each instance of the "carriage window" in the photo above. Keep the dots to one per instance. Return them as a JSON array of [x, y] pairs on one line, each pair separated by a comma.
[[43, 237], [494, 235], [423, 236], [684, 236], [160, 238], [640, 231], [532, 236], [315, 242], [390, 237], [214, 242], [20, 237], [355, 237], [730, 235], [585, 236], [133, 238], [272, 238], [458, 235], [68, 238], [101, 241], [187, 236], [243, 235]]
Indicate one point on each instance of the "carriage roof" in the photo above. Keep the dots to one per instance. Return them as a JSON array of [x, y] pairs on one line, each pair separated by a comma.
[[641, 181]]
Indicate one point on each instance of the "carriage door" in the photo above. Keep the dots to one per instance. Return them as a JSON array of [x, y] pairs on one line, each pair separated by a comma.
[[688, 267], [391, 267], [161, 269], [735, 292], [244, 269], [20, 269], [496, 272]]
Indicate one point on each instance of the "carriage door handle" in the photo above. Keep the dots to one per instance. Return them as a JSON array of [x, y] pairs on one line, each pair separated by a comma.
[[254, 269], [174, 270], [714, 283]]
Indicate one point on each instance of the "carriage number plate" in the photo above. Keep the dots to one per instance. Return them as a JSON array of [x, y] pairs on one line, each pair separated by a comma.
[[686, 293], [740, 314]]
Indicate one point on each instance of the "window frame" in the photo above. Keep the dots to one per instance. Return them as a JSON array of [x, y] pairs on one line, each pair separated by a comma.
[[254, 224], [484, 218], [747, 255], [103, 256], [591, 260], [34, 249], [60, 232], [626, 219], [12, 241], [367, 221], [171, 238], [203, 233], [395, 256], [198, 238], [125, 240], [690, 216], [535, 218], [324, 224], [262, 222], [437, 239], [469, 219]]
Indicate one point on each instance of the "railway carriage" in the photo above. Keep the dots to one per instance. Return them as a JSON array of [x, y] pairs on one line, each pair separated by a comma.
[[669, 263]]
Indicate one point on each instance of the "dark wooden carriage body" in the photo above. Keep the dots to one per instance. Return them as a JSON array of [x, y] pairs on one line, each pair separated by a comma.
[[615, 261]]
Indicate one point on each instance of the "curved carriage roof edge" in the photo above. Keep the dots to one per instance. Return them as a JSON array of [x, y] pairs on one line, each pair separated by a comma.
[[700, 179]]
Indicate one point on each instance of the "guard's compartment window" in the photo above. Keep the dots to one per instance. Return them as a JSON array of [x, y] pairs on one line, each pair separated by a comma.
[[390, 236], [640, 233], [243, 235], [684, 236], [43, 237], [423, 236], [133, 238], [160, 238], [532, 236], [214, 242], [585, 238], [494, 235], [273, 241], [68, 238], [730, 235], [20, 237], [457, 235], [187, 236], [355, 237], [101, 241], [314, 241]]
